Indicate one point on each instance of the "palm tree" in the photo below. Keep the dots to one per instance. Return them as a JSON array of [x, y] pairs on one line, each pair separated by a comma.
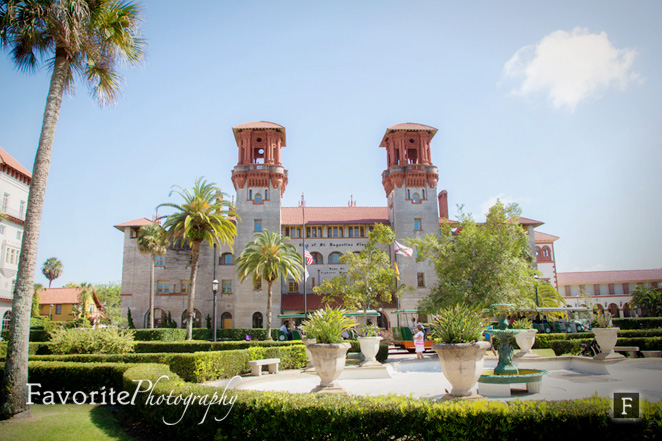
[[83, 37], [205, 216], [152, 240], [52, 269], [269, 257]]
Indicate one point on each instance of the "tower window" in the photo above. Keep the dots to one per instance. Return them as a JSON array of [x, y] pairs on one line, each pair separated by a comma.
[[225, 259], [257, 225], [416, 199], [258, 198], [420, 280], [226, 286], [417, 224]]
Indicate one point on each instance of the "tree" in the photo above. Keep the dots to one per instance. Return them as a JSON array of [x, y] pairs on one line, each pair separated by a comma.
[[648, 299], [548, 296], [110, 298], [83, 37], [269, 256], [52, 269], [369, 279], [35, 300], [152, 240], [206, 215], [480, 264]]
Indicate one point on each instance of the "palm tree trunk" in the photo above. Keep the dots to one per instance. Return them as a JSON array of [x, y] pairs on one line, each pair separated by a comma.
[[190, 310], [151, 294], [14, 390], [269, 305]]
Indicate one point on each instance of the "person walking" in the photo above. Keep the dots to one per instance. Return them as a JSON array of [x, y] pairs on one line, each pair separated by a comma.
[[419, 342]]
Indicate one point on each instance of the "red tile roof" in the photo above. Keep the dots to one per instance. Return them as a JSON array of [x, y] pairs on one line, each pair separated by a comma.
[[593, 277], [406, 127], [544, 237], [258, 125], [134, 223], [526, 221], [335, 215], [6, 158]]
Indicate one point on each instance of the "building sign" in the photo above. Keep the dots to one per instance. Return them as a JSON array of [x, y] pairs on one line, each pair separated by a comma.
[[335, 245]]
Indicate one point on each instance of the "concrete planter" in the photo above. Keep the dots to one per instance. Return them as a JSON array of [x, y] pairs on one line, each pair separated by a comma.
[[462, 365], [307, 342], [606, 338], [329, 361], [525, 341], [369, 349]]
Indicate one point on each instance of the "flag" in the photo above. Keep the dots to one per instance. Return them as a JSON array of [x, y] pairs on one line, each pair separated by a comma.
[[307, 275], [397, 271], [308, 256], [399, 248]]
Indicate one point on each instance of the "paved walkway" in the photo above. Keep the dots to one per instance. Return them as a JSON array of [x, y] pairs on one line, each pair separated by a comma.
[[424, 379]]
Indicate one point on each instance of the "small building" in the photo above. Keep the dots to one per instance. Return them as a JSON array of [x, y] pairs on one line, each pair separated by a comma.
[[606, 290], [60, 304]]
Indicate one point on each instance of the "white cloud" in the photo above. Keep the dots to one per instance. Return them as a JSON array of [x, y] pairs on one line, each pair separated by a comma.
[[570, 67]]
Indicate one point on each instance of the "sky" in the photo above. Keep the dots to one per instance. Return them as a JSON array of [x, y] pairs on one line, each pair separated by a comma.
[[552, 105]]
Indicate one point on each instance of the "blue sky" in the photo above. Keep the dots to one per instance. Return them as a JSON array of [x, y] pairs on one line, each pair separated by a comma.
[[554, 105]]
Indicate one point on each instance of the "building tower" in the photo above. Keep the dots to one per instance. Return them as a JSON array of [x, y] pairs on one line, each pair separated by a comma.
[[259, 180], [410, 182]]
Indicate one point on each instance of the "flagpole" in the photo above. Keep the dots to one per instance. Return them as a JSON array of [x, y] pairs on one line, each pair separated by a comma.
[[395, 255], [303, 251]]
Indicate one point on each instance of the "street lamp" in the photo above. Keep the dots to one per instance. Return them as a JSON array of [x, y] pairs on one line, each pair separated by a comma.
[[535, 276], [214, 289]]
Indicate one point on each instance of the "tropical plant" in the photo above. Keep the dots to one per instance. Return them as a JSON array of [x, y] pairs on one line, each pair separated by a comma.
[[458, 324], [602, 320], [548, 296], [648, 299], [206, 215], [81, 37], [327, 325], [152, 240], [522, 324], [369, 331], [480, 264], [370, 278], [52, 269], [269, 256]]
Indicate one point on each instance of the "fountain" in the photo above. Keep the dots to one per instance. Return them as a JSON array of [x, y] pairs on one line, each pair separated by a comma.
[[496, 383]]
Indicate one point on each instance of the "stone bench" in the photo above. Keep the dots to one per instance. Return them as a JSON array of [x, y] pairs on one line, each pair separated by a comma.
[[651, 354], [256, 366], [632, 350]]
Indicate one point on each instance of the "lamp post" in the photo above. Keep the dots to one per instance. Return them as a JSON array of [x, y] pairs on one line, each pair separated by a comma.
[[214, 289], [535, 276]]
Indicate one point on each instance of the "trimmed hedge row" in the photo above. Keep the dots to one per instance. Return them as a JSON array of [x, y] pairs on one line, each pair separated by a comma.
[[574, 346], [198, 366], [197, 346], [170, 334], [277, 416], [544, 340], [638, 323]]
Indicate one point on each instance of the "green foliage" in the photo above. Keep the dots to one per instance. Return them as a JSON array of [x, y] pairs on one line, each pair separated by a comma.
[[91, 341], [327, 325], [567, 347], [110, 298], [458, 324], [382, 354], [648, 299], [522, 324], [480, 264], [129, 319], [160, 334], [638, 323], [370, 277], [601, 320], [51, 269], [170, 334], [369, 331], [34, 312], [196, 346]]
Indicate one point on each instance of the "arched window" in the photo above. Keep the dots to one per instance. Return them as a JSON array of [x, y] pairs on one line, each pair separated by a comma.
[[225, 259], [160, 315], [257, 320], [317, 258], [537, 251], [416, 199], [197, 318], [6, 318], [258, 198], [334, 257], [546, 252], [226, 320]]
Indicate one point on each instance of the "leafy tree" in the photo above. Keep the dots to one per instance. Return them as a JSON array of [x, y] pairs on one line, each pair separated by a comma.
[[648, 299], [110, 298], [52, 269], [83, 37], [129, 319], [152, 240], [369, 279], [206, 215], [36, 299], [269, 256], [480, 264]]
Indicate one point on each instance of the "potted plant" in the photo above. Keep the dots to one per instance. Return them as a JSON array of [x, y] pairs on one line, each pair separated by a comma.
[[369, 337], [606, 335], [326, 327], [525, 340], [457, 334]]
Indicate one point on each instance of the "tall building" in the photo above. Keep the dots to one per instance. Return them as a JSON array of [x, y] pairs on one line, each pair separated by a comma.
[[14, 188], [413, 209]]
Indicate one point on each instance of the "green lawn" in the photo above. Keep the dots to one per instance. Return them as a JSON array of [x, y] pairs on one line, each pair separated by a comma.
[[65, 422]]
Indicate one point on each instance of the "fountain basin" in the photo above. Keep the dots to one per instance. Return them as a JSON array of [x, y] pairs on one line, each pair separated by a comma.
[[498, 385]]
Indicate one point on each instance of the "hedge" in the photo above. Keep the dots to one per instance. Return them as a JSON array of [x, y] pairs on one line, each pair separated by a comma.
[[196, 346], [574, 346], [278, 416], [382, 354], [170, 334], [638, 323]]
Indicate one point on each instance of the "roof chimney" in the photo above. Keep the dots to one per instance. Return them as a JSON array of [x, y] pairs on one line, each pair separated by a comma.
[[443, 204]]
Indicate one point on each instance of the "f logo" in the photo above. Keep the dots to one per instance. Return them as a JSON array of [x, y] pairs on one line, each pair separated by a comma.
[[626, 405]]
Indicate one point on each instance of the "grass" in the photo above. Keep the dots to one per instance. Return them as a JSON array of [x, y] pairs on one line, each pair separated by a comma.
[[65, 422]]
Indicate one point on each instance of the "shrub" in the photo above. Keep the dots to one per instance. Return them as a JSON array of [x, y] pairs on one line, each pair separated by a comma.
[[195, 346], [327, 325], [458, 324], [568, 347], [638, 323], [91, 341], [160, 334]]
